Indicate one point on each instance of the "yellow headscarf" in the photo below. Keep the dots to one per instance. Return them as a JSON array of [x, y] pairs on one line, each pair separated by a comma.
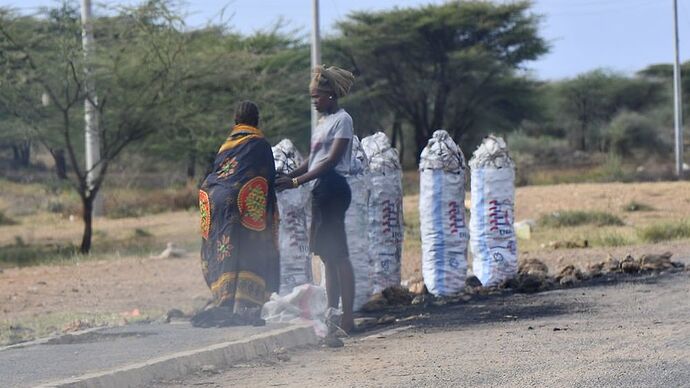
[[240, 133], [333, 80]]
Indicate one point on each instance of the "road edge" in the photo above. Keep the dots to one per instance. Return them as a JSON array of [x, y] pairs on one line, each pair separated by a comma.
[[180, 364]]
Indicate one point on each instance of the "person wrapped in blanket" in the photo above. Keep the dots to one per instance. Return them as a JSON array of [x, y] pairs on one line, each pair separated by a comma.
[[329, 161], [239, 255]]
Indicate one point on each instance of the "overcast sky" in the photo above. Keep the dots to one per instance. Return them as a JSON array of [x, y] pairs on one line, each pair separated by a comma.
[[623, 35]]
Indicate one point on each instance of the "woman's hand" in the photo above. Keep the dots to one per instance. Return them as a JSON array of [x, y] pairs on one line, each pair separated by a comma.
[[283, 182]]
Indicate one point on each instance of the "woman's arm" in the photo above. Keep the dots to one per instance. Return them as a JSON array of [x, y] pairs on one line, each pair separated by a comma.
[[299, 170], [334, 157]]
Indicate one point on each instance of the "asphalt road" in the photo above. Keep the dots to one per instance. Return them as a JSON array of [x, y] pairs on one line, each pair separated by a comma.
[[633, 333], [69, 356]]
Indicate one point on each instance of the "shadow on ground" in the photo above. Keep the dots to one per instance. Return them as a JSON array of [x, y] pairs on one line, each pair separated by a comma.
[[506, 305]]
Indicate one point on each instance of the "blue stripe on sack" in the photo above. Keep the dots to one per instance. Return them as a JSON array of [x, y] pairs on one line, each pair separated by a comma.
[[483, 247], [439, 244]]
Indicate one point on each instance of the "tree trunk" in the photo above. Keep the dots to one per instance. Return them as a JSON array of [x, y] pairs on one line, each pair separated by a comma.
[[87, 207], [398, 138], [583, 138], [191, 166], [60, 163], [420, 139], [21, 153]]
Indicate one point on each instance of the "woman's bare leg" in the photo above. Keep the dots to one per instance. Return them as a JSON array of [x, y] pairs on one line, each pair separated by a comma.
[[332, 284], [347, 290]]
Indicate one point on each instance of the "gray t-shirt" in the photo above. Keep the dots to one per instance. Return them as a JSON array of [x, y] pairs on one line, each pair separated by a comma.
[[337, 125]]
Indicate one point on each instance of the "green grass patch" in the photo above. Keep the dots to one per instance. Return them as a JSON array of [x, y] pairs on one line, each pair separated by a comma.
[[142, 233], [611, 239], [610, 169], [634, 206], [21, 255], [570, 218], [665, 231]]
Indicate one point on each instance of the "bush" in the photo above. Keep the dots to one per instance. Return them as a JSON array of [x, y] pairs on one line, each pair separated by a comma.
[[543, 148], [634, 206], [664, 232], [629, 131], [612, 169], [575, 218]]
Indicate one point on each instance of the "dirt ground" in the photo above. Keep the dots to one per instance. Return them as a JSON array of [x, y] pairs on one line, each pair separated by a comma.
[[117, 287]]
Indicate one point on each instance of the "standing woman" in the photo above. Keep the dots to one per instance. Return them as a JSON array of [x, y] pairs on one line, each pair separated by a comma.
[[329, 160], [239, 256]]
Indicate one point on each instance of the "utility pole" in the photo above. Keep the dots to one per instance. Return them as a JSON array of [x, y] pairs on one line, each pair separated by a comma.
[[316, 61], [315, 54], [678, 100], [91, 129]]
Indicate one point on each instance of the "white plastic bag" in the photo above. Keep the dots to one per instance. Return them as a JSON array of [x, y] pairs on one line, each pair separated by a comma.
[[385, 211], [492, 235], [356, 224], [293, 236], [304, 304], [442, 219]]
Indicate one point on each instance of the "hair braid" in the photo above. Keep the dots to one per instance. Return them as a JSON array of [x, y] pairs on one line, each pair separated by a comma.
[[247, 113]]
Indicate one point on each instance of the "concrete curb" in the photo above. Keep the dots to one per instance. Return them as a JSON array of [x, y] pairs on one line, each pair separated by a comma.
[[44, 340], [183, 363]]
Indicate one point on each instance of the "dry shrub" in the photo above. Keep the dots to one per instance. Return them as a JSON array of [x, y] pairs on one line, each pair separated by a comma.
[[137, 203]]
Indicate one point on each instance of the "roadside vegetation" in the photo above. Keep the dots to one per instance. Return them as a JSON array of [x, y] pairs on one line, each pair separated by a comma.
[[569, 218], [665, 231]]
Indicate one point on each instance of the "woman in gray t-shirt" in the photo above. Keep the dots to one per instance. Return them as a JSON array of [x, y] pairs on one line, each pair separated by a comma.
[[329, 160]]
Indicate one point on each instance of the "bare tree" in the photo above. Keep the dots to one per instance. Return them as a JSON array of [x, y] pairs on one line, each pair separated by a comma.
[[135, 68]]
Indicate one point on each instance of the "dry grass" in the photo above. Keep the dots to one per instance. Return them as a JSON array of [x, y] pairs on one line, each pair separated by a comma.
[[21, 200], [53, 323], [412, 244]]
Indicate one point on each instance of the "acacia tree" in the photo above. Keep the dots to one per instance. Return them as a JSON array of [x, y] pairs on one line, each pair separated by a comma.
[[20, 95], [268, 67], [135, 69], [449, 66], [663, 73], [589, 101]]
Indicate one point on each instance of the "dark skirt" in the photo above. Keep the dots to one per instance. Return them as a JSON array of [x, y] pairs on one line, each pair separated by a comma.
[[331, 197]]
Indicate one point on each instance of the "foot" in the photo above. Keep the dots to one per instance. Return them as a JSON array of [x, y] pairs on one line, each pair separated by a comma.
[[347, 323], [333, 342]]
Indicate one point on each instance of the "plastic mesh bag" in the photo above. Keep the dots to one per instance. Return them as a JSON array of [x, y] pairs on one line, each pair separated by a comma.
[[442, 218], [356, 224], [492, 235], [385, 211], [293, 236]]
